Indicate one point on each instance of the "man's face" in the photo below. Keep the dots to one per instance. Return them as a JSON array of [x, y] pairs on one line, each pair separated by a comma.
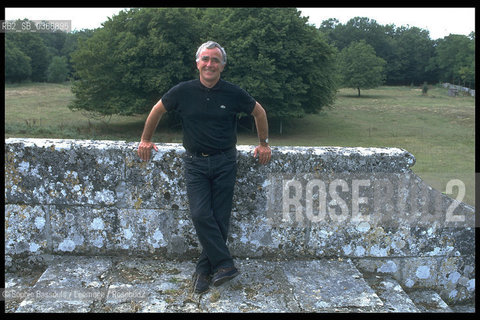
[[210, 65]]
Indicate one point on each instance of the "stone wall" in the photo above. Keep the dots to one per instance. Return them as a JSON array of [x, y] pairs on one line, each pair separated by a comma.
[[454, 89], [98, 198]]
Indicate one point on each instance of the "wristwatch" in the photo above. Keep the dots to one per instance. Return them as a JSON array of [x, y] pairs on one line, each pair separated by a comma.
[[265, 141]]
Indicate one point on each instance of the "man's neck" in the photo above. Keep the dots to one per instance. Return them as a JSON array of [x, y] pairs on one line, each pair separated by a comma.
[[209, 84]]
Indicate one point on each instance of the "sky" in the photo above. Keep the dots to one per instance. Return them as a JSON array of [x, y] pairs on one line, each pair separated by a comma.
[[440, 22]]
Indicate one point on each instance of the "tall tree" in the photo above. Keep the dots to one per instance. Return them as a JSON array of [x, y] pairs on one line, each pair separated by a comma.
[[57, 70], [32, 45], [17, 63], [71, 44], [139, 54], [290, 75], [40, 47], [360, 68], [454, 58], [414, 49], [406, 50]]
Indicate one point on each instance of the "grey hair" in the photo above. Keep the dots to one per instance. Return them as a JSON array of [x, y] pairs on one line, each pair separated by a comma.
[[211, 45]]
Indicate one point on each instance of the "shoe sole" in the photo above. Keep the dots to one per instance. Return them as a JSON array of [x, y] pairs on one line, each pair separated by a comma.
[[221, 281], [195, 290], [198, 291]]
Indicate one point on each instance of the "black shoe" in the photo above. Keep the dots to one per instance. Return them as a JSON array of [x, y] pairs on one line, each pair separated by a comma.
[[200, 282], [223, 275]]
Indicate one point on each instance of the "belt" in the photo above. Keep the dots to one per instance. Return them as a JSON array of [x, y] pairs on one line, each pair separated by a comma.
[[205, 154]]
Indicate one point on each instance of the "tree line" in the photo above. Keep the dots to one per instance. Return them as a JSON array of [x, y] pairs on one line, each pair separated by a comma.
[[40, 57], [410, 56], [287, 64]]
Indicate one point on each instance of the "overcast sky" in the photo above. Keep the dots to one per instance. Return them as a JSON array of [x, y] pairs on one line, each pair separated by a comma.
[[440, 22]]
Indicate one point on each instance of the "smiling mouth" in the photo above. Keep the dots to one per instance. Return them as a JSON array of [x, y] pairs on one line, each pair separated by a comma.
[[208, 71]]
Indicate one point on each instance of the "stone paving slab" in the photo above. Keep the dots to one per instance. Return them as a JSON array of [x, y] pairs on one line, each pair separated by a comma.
[[127, 284], [392, 294], [70, 285], [103, 284], [429, 301], [330, 285], [18, 285], [261, 287]]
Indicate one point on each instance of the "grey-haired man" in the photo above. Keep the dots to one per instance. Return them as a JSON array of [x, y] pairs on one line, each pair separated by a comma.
[[208, 107]]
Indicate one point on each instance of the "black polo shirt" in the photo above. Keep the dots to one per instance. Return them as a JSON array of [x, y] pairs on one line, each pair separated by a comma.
[[208, 114]]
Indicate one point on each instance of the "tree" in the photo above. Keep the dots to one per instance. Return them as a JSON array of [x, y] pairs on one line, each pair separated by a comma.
[[54, 41], [405, 49], [137, 56], [359, 66], [455, 58], [39, 47], [467, 74], [17, 63], [71, 44], [290, 76], [413, 50], [57, 70], [32, 45]]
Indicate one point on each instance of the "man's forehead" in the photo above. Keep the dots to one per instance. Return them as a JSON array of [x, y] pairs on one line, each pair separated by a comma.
[[211, 52]]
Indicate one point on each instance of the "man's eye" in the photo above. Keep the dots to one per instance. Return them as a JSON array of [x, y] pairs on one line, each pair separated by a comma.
[[214, 60]]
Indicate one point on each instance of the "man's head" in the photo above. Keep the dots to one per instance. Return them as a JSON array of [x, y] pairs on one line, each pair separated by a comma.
[[211, 45], [211, 59]]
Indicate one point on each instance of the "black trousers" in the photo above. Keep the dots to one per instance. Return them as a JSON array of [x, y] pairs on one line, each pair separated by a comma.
[[210, 184]]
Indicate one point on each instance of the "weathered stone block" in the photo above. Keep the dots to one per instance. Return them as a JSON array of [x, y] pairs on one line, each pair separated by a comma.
[[26, 229]]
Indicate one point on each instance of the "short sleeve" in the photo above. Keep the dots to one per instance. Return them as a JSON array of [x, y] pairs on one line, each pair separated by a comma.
[[170, 99], [246, 103]]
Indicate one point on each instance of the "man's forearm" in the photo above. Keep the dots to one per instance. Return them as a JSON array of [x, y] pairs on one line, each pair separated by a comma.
[[262, 150], [152, 122], [262, 128], [261, 123], [150, 126]]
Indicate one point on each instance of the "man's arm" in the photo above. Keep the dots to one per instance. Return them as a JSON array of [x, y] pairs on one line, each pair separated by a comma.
[[263, 150], [145, 146]]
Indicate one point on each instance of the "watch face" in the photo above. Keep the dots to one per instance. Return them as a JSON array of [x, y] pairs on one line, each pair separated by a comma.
[[266, 140]]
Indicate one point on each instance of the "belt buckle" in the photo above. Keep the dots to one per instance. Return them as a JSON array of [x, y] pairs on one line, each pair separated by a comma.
[[204, 154]]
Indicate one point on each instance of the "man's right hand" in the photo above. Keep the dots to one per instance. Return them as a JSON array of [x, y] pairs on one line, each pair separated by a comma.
[[144, 150]]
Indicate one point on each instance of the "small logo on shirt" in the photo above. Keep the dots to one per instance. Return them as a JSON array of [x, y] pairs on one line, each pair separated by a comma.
[[222, 107]]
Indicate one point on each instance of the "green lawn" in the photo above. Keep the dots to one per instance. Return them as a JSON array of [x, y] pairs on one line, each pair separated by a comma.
[[437, 129], [40, 110]]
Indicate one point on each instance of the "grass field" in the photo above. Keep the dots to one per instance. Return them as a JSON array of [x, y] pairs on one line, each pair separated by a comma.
[[437, 129]]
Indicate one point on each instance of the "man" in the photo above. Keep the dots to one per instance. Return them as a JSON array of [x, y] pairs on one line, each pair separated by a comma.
[[208, 107]]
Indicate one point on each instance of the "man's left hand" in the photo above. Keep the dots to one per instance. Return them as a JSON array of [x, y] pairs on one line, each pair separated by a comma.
[[264, 154]]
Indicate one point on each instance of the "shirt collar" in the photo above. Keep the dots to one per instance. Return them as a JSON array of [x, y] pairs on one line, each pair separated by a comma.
[[217, 85]]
